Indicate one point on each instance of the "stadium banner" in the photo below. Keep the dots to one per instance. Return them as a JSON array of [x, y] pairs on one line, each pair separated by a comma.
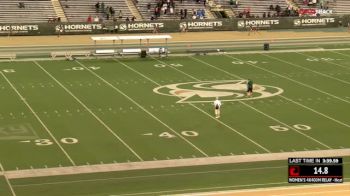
[[78, 28], [286, 23], [266, 23], [52, 29], [20, 29], [206, 25], [316, 22], [315, 12], [307, 12], [237, 24], [154, 26]]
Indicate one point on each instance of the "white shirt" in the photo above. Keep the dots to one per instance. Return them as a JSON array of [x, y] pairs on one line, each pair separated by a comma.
[[217, 103]]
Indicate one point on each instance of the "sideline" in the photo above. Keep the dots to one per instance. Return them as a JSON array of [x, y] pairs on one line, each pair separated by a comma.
[[85, 169]]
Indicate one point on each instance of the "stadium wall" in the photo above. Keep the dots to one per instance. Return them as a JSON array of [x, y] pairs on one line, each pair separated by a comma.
[[237, 24]]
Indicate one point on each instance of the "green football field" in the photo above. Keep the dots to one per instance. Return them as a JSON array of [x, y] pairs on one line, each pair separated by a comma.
[[102, 111]]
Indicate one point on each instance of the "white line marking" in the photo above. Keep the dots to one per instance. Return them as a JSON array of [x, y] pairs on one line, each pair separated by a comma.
[[89, 110], [7, 180], [265, 189], [295, 65], [265, 113], [234, 75], [295, 81], [141, 107], [324, 115], [239, 133], [343, 66], [204, 112], [110, 167], [292, 128], [26, 141], [38, 118], [213, 188], [312, 193], [154, 175]]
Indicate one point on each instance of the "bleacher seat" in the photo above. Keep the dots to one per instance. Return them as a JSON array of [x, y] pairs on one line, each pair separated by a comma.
[[80, 10], [33, 11], [256, 7], [186, 4]]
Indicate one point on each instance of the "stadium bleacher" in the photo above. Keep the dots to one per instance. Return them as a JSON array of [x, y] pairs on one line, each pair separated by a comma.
[[80, 10], [340, 6], [256, 7], [33, 11], [190, 5]]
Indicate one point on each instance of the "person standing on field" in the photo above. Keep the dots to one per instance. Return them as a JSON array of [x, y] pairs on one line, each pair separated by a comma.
[[217, 106], [249, 88]]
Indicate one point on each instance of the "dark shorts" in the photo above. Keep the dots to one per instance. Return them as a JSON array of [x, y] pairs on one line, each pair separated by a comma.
[[250, 90], [217, 107]]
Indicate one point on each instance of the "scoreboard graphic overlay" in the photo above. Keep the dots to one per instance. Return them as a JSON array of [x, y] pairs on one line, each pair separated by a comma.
[[315, 170]]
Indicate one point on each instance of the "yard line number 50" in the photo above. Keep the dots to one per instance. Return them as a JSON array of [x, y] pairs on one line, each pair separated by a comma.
[[184, 133], [280, 128]]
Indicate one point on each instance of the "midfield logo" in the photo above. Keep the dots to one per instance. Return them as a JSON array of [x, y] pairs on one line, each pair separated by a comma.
[[207, 91]]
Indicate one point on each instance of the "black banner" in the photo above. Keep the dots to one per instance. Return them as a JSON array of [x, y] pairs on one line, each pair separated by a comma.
[[237, 24]]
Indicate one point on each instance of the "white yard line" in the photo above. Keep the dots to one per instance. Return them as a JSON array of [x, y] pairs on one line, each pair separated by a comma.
[[38, 118], [263, 113], [343, 66], [289, 188], [292, 128], [227, 187], [342, 55], [152, 176], [304, 106], [91, 112], [295, 81], [7, 180], [141, 107], [319, 113], [169, 192], [239, 133], [315, 192], [305, 68]]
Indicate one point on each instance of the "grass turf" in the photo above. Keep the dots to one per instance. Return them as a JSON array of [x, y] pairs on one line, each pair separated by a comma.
[[105, 111]]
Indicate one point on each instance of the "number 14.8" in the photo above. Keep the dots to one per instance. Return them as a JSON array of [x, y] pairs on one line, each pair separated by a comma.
[[320, 170]]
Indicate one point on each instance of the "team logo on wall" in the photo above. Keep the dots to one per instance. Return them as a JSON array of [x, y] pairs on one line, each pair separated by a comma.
[[241, 24], [207, 91], [297, 22], [122, 27], [313, 21], [201, 24], [79, 28], [141, 26], [257, 23], [18, 28]]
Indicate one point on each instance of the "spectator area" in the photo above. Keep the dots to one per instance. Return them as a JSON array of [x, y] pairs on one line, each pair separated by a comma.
[[256, 7], [340, 6], [80, 10], [184, 4], [33, 11]]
